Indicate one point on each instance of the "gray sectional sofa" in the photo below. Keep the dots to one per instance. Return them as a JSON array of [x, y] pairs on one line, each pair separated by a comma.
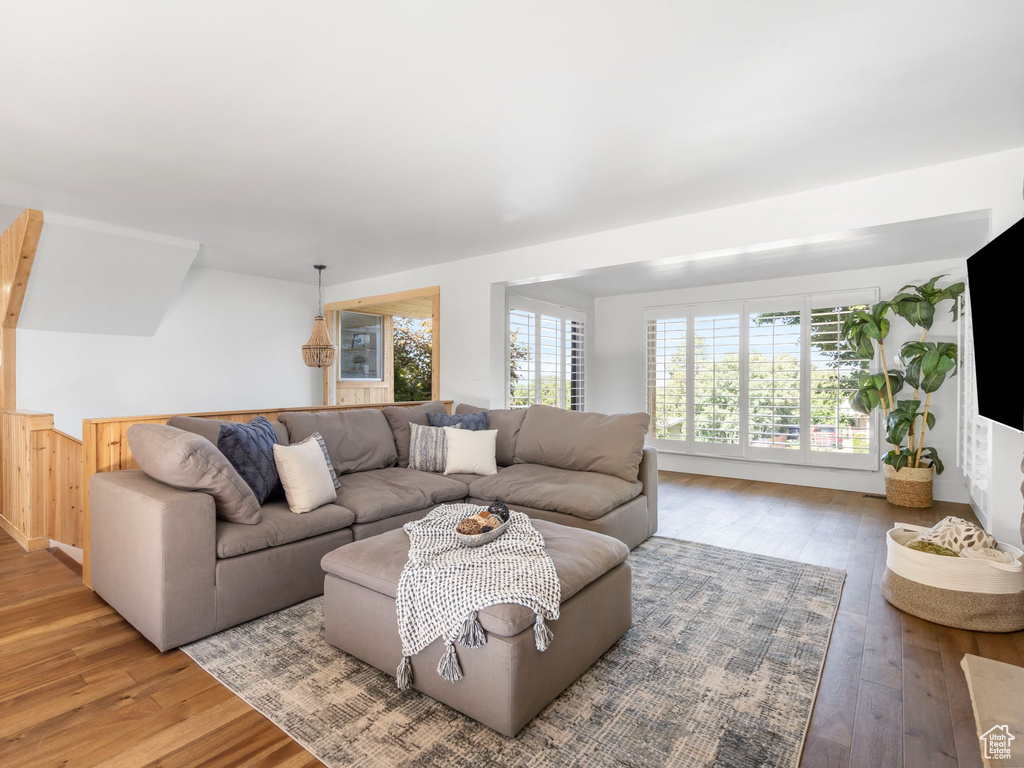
[[164, 560]]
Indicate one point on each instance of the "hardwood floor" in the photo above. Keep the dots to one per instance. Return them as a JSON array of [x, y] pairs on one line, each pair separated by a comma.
[[80, 687], [892, 692]]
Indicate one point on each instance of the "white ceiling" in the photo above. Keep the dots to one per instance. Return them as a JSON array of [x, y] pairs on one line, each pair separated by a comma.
[[935, 239], [379, 136]]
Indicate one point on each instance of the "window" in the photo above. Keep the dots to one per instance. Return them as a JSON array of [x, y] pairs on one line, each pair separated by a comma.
[[359, 346], [773, 375], [759, 379], [545, 354]]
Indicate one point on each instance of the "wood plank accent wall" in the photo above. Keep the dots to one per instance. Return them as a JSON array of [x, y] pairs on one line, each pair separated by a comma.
[[41, 481], [105, 448]]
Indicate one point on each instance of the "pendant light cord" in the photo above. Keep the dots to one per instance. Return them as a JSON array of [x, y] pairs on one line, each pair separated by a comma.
[[320, 288]]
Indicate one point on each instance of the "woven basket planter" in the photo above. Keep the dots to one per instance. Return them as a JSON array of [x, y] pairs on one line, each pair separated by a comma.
[[909, 487], [955, 591]]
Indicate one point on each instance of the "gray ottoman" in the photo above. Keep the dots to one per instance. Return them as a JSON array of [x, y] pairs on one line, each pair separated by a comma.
[[507, 681]]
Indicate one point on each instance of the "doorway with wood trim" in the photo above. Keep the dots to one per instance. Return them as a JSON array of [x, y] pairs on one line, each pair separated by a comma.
[[388, 348]]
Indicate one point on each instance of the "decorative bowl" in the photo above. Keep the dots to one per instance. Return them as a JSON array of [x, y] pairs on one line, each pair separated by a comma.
[[478, 539]]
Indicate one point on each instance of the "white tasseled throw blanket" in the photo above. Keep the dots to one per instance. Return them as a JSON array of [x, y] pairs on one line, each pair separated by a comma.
[[444, 584]]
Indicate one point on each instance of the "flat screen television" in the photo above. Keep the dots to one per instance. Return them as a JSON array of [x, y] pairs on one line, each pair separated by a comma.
[[994, 281]]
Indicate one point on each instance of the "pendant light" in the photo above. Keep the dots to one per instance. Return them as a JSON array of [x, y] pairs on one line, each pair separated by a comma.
[[319, 352]]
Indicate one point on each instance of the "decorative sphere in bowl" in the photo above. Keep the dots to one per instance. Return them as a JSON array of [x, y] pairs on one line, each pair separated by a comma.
[[480, 528]]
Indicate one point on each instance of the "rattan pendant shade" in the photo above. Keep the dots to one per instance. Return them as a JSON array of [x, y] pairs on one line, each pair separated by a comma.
[[319, 352]]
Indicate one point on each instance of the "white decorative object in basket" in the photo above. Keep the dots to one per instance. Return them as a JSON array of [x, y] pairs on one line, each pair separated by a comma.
[[970, 593]]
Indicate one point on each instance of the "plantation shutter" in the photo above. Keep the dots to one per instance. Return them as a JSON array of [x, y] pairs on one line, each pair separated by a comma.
[[974, 430], [716, 363], [667, 377], [839, 435], [768, 379], [546, 362], [774, 380], [522, 362]]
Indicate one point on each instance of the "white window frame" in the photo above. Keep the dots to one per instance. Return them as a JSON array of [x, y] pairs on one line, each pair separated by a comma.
[[975, 438], [802, 456], [567, 315]]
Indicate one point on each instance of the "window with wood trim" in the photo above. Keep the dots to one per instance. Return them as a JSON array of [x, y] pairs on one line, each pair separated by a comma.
[[546, 361], [767, 379]]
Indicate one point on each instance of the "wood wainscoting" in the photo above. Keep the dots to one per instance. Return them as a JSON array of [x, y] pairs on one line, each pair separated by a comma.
[[105, 448], [41, 481]]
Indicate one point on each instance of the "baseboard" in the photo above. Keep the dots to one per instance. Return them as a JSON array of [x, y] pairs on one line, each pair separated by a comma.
[[26, 543]]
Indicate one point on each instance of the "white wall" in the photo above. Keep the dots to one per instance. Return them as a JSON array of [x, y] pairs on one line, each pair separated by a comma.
[[617, 368], [472, 335], [557, 295], [228, 342], [990, 182]]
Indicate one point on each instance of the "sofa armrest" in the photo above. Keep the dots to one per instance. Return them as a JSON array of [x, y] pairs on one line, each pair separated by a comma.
[[154, 559], [649, 479]]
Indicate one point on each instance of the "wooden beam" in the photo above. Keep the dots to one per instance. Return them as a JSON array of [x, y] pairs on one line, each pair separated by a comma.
[[435, 347], [384, 298], [18, 246]]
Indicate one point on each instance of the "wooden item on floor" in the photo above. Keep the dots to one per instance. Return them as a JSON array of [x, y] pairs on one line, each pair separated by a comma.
[[997, 696]]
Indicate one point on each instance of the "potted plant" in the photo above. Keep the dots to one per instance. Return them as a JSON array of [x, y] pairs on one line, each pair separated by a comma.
[[922, 365]]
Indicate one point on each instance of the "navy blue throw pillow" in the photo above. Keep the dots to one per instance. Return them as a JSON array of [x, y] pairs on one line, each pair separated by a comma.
[[474, 422], [250, 449]]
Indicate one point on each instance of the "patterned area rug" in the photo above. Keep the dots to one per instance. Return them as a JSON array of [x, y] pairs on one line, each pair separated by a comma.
[[720, 668]]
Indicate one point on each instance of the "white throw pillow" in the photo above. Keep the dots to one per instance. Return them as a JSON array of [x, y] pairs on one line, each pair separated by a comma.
[[304, 474], [471, 453]]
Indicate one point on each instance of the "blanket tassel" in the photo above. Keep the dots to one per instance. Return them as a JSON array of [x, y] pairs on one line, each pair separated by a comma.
[[448, 667], [542, 636], [404, 676], [472, 633]]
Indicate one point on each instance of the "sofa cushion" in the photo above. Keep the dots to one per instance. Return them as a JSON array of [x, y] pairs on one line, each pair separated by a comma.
[[210, 428], [357, 441], [279, 526], [383, 493], [587, 442], [587, 495], [399, 417], [250, 449], [508, 422], [470, 453], [428, 448], [190, 462], [306, 474], [580, 557], [474, 422]]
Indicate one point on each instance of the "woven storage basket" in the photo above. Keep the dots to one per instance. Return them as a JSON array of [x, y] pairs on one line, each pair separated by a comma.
[[959, 592], [909, 487]]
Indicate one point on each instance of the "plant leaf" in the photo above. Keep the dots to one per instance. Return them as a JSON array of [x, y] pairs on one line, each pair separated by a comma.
[[865, 399], [933, 456], [898, 424]]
